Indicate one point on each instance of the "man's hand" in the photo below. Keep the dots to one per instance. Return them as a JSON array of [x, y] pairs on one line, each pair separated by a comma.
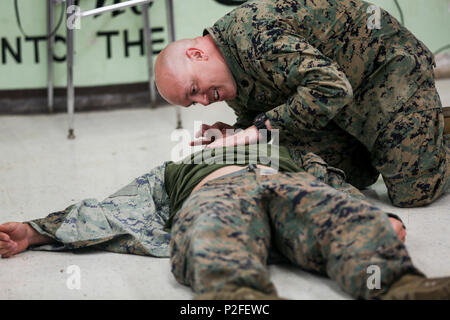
[[250, 135], [207, 133], [13, 238], [399, 229]]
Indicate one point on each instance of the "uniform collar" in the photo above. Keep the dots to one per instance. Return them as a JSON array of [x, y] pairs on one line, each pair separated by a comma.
[[244, 82]]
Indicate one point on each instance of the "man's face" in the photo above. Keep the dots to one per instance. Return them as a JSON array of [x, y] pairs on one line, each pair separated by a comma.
[[197, 80], [208, 82]]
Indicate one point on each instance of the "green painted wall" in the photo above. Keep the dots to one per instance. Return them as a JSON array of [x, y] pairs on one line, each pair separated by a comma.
[[428, 19]]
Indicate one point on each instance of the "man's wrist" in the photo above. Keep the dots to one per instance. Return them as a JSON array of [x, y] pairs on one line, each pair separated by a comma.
[[35, 238], [263, 133]]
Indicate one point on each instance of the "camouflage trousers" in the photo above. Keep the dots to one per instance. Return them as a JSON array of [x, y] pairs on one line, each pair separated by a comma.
[[411, 152], [224, 242]]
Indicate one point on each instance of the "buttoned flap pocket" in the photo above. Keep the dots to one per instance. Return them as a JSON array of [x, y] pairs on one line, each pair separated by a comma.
[[336, 171], [317, 167], [335, 177], [127, 191]]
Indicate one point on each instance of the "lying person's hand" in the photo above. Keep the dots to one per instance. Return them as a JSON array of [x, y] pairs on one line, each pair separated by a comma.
[[399, 229], [208, 133], [14, 238], [250, 135]]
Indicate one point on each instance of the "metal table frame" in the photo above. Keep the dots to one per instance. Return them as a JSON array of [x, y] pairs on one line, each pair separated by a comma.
[[70, 50]]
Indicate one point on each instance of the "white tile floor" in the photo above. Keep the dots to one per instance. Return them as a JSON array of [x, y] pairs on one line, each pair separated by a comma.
[[41, 172]]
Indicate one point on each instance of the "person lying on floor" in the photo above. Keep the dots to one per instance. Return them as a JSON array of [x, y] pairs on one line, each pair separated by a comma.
[[222, 222]]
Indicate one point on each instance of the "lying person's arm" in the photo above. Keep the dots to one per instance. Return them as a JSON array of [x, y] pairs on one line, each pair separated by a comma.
[[16, 237], [129, 221]]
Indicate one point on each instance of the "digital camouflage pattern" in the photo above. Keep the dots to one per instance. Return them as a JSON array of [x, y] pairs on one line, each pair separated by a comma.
[[221, 243], [132, 220], [413, 154], [337, 86]]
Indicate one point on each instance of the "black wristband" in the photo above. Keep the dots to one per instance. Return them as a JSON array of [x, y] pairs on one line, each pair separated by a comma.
[[260, 124]]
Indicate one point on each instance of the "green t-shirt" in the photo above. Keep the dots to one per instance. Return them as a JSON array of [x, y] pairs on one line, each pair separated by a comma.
[[181, 177]]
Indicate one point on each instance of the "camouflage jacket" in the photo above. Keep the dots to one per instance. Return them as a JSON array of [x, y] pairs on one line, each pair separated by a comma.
[[308, 62]]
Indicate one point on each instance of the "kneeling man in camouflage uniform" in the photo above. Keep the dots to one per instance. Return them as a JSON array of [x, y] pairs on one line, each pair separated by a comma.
[[220, 219], [340, 78]]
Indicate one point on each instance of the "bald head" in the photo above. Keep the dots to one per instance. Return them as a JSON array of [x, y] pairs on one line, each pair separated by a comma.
[[193, 71], [170, 65]]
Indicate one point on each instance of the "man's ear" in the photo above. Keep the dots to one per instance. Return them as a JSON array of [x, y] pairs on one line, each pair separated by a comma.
[[196, 54]]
